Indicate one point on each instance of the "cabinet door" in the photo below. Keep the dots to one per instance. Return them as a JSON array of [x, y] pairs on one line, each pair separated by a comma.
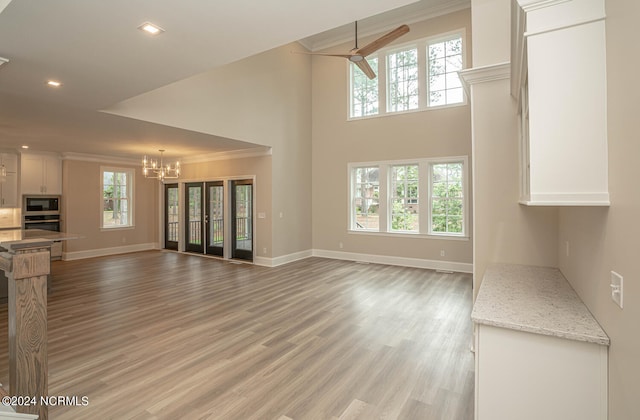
[[10, 161], [9, 191], [31, 174], [52, 172]]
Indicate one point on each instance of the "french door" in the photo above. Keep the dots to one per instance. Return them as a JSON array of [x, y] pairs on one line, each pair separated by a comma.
[[242, 219], [216, 222], [214, 217], [171, 216], [193, 224]]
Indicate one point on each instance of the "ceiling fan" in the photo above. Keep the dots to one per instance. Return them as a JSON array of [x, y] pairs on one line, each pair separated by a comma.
[[357, 55]]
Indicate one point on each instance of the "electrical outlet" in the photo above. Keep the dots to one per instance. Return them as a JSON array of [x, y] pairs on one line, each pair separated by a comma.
[[442, 252], [341, 245], [264, 251], [617, 288]]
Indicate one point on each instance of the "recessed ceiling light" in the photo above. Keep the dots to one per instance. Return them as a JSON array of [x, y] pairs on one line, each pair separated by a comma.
[[24, 146], [53, 83], [150, 28]]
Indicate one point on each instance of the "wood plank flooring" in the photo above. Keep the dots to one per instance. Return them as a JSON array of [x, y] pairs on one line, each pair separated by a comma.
[[162, 335]]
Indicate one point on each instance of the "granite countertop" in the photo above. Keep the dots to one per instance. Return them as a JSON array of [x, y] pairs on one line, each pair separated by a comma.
[[537, 300], [12, 235]]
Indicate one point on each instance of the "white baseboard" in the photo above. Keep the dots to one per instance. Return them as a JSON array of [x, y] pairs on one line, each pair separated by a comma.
[[101, 252], [283, 259], [401, 261]]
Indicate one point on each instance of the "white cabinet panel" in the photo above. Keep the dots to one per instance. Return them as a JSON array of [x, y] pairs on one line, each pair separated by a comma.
[[41, 174], [9, 187], [563, 102], [525, 376]]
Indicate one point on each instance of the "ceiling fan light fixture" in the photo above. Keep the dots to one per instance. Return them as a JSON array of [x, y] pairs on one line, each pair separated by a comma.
[[356, 58]]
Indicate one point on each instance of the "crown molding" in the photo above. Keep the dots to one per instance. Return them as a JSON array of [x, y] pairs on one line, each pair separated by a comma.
[[485, 74], [232, 154], [341, 35], [85, 157]]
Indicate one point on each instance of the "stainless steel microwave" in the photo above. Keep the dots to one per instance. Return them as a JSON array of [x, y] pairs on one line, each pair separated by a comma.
[[39, 204]]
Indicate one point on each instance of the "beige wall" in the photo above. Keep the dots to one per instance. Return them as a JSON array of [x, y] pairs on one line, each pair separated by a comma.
[[265, 100], [260, 167], [602, 240], [81, 209], [336, 142], [504, 231]]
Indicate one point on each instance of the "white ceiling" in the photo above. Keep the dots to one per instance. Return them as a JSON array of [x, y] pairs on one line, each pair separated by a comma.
[[96, 50]]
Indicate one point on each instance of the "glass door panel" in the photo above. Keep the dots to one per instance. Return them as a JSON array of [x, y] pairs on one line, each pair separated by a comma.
[[215, 218], [171, 222], [242, 219], [193, 217]]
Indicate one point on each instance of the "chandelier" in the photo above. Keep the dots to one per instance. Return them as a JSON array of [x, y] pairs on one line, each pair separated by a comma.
[[156, 169]]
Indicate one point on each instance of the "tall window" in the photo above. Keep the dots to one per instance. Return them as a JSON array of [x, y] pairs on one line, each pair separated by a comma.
[[445, 60], [366, 198], [404, 198], [364, 91], [447, 198], [117, 193], [419, 75], [423, 196], [402, 80]]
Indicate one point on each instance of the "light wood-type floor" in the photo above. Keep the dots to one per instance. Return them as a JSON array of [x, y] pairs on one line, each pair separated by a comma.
[[162, 335]]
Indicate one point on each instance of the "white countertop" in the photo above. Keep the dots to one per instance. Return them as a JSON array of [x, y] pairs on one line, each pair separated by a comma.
[[537, 300], [11, 235]]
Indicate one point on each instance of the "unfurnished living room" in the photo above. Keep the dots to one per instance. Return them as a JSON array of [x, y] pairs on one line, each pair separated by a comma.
[[354, 209]]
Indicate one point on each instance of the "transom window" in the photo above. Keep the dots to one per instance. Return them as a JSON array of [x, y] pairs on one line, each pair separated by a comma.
[[424, 196], [422, 74], [402, 80], [117, 194], [364, 91], [445, 60]]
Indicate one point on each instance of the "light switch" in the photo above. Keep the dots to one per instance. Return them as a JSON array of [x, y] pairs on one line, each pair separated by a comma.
[[262, 215], [616, 288]]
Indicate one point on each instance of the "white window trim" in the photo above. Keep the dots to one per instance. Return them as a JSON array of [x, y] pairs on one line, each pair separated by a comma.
[[423, 88], [424, 198], [131, 172], [465, 190]]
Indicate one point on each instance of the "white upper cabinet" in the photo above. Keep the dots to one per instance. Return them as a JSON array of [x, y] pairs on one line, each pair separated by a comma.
[[9, 186], [559, 77], [41, 174]]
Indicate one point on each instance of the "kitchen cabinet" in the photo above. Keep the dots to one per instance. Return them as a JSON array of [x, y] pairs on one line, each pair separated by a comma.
[[540, 354], [9, 186], [559, 79], [41, 174]]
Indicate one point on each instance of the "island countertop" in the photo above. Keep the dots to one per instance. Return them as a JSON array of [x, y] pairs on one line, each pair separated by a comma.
[[537, 300], [12, 235]]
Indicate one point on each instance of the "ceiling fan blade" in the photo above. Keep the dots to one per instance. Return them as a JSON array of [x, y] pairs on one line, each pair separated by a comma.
[[383, 40], [366, 68], [347, 56]]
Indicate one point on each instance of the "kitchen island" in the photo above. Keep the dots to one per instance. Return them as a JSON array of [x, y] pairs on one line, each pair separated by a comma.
[[540, 353], [15, 235]]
